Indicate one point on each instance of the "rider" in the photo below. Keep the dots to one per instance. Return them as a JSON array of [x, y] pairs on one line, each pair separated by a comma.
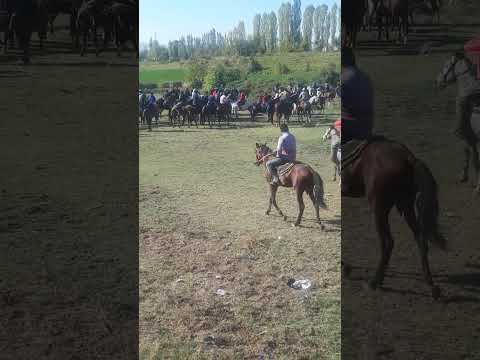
[[304, 95], [242, 98], [151, 101], [211, 103], [466, 98], [195, 97], [223, 99], [286, 152], [357, 100]]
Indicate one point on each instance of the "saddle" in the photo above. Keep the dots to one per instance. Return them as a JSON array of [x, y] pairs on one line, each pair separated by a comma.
[[285, 169], [352, 150]]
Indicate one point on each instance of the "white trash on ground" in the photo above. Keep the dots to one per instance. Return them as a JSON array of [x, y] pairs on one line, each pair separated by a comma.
[[220, 292], [299, 284]]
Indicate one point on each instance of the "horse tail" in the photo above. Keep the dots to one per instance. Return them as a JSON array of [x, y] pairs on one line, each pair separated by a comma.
[[426, 204], [318, 192]]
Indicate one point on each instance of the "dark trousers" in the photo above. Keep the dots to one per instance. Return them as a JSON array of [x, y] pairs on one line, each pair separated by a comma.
[[464, 107], [273, 164]]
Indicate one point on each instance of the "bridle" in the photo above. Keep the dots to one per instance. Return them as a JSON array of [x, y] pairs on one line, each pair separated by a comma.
[[260, 161]]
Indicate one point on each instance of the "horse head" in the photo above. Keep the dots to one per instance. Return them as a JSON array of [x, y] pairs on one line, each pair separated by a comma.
[[261, 151]]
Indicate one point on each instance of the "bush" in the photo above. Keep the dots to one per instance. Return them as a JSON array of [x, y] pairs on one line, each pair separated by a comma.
[[149, 86], [280, 69], [330, 74], [253, 66], [219, 75], [196, 72]]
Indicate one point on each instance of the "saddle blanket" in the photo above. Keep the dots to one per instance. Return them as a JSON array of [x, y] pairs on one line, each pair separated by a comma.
[[286, 168]]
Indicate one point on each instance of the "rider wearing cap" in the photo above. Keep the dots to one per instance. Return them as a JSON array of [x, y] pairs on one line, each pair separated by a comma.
[[357, 100]]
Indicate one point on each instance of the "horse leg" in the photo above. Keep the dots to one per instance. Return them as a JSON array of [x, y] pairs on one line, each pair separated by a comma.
[[466, 165], [301, 206], [422, 247], [95, 40], [273, 192], [476, 160], [382, 212], [315, 205], [270, 200]]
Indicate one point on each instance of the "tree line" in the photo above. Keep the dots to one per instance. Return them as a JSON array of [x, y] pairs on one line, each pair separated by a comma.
[[317, 29]]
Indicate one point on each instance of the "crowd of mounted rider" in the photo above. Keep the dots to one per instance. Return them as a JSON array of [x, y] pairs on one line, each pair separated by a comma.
[[116, 20], [220, 105], [385, 16]]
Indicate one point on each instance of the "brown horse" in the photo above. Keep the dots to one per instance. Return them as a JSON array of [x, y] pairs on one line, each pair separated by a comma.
[[283, 108], [301, 177], [388, 175]]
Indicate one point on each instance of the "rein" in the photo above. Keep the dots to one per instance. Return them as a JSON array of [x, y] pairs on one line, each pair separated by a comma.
[[260, 161]]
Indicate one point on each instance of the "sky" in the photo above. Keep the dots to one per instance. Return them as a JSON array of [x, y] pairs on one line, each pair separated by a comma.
[[170, 19]]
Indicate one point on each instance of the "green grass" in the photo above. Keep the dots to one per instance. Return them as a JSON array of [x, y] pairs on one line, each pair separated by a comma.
[[160, 76], [202, 216]]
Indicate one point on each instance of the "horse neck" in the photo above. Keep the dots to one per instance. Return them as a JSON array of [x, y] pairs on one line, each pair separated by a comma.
[[465, 78]]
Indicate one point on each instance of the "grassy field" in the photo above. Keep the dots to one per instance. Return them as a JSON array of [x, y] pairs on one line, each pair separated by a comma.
[[305, 67], [159, 74], [203, 227]]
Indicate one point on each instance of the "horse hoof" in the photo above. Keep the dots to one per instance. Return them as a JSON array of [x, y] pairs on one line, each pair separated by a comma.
[[284, 218], [347, 270], [267, 212], [463, 179], [435, 292], [322, 227]]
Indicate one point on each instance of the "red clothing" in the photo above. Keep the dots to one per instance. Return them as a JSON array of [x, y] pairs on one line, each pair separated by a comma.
[[338, 125], [242, 96], [472, 49]]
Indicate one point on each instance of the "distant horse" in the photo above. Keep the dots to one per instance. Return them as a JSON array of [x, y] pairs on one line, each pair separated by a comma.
[[461, 70], [304, 111], [283, 109], [394, 13], [208, 113], [235, 110], [25, 17], [301, 177], [352, 16], [256, 108], [125, 25], [224, 112], [388, 175], [333, 135]]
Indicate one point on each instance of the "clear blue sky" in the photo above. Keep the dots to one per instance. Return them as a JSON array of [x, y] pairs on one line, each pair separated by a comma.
[[170, 19]]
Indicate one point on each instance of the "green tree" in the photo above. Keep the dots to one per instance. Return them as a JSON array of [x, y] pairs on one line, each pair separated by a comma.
[[308, 27], [295, 23]]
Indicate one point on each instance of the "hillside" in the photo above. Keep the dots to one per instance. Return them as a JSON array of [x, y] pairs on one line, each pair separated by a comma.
[[283, 69]]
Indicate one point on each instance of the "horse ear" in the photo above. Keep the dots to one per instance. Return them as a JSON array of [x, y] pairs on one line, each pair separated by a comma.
[[256, 145]]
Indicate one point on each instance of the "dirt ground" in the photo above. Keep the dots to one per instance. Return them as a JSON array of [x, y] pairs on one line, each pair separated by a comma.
[[67, 230], [203, 228], [402, 321]]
